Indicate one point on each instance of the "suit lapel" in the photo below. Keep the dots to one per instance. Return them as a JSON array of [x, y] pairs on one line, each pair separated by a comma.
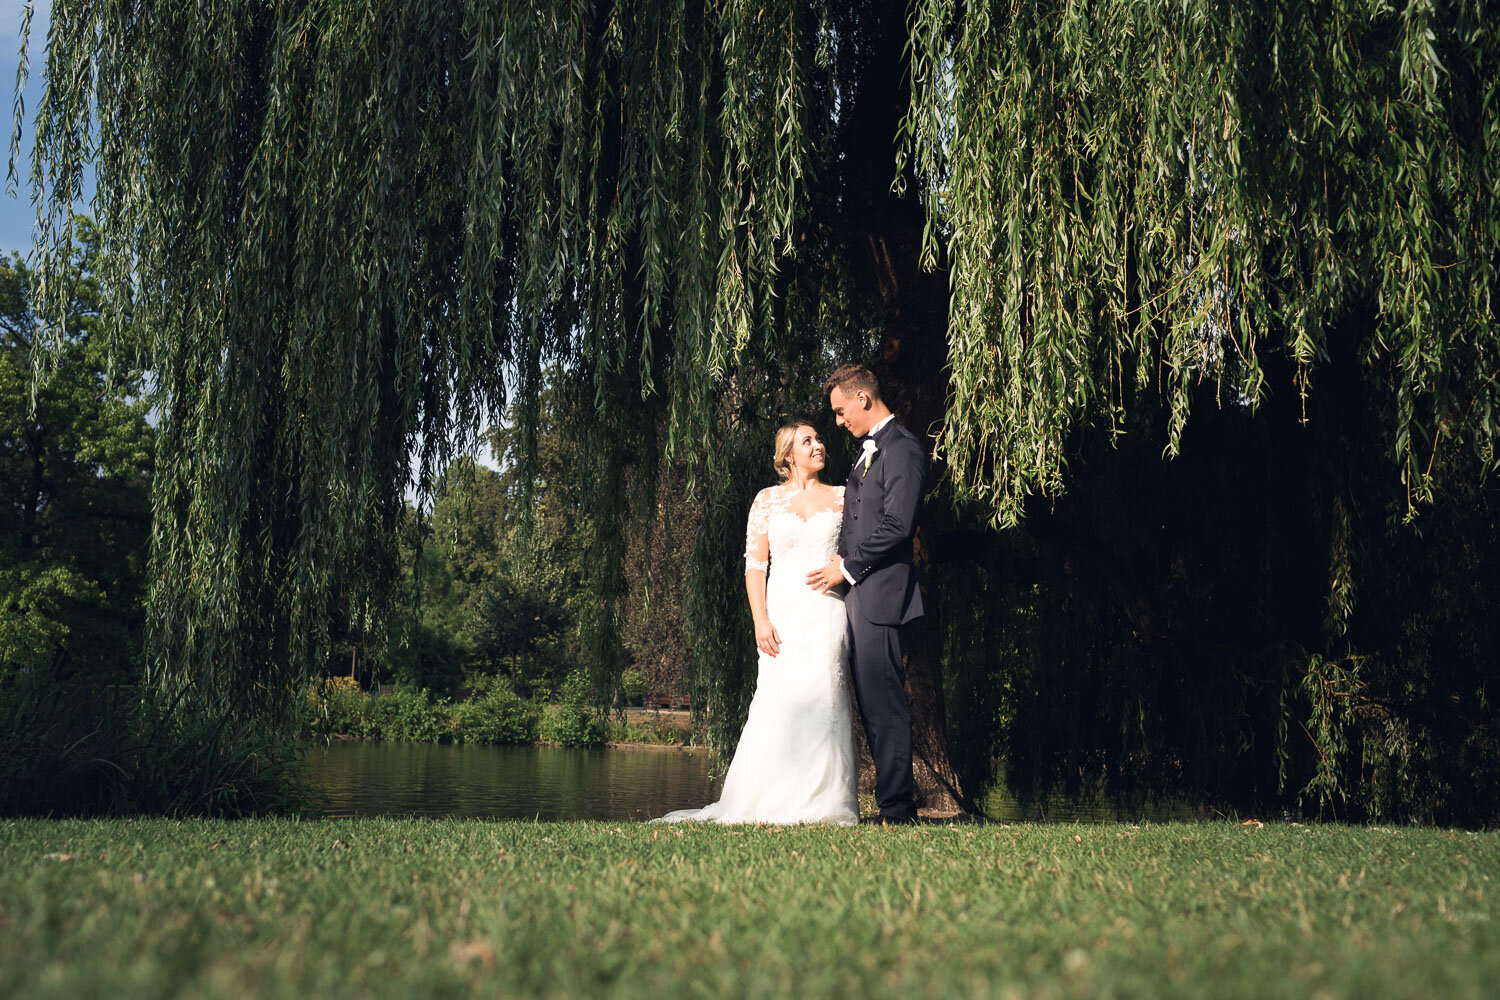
[[857, 471], [881, 438]]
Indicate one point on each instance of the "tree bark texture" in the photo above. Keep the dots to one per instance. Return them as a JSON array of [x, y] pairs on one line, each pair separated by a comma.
[[911, 362]]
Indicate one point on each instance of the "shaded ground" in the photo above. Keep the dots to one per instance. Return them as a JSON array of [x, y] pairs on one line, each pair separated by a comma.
[[651, 727], [679, 720]]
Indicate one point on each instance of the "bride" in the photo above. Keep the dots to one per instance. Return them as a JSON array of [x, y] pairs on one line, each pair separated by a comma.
[[795, 761]]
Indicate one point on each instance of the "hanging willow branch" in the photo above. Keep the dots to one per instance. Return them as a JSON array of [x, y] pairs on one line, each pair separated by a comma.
[[1138, 195], [354, 229]]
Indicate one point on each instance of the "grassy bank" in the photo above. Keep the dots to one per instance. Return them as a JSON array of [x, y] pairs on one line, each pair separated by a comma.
[[425, 908], [338, 708]]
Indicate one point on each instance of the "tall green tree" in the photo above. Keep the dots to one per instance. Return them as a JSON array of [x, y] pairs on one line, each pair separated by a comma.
[[1053, 227], [75, 470], [514, 547]]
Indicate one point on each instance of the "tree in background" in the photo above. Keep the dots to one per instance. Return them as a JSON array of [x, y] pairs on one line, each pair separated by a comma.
[[512, 566], [75, 475], [1258, 239], [495, 569], [426, 643]]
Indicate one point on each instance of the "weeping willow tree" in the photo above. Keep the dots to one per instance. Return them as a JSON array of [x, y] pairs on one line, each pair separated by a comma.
[[1287, 214], [1139, 194], [356, 229]]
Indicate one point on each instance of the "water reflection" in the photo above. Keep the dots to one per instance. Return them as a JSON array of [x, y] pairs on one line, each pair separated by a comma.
[[618, 783], [485, 782]]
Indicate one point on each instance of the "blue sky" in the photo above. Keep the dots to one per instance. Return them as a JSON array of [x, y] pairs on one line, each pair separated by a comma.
[[18, 215]]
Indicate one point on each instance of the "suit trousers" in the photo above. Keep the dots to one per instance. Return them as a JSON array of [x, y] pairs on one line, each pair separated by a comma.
[[878, 657]]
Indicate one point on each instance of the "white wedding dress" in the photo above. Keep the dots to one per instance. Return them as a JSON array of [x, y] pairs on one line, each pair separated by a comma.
[[795, 760]]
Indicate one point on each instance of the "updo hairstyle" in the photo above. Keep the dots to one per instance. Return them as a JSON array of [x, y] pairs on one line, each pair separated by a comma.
[[786, 437]]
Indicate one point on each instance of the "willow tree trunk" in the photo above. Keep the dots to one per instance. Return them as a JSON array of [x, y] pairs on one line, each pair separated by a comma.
[[913, 351]]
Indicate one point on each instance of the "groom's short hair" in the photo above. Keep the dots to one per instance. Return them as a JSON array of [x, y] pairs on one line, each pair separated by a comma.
[[850, 379]]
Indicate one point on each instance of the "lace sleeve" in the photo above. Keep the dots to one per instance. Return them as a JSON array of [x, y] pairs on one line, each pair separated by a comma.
[[757, 544]]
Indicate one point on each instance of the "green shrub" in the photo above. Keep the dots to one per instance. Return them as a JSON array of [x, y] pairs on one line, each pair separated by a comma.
[[497, 717], [632, 688], [336, 706], [573, 722], [646, 731], [73, 750], [414, 716], [481, 683], [570, 727]]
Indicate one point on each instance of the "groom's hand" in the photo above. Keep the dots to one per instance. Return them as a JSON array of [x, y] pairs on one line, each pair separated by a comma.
[[830, 576]]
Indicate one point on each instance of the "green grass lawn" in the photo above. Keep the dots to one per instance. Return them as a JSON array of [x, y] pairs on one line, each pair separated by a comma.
[[419, 907]]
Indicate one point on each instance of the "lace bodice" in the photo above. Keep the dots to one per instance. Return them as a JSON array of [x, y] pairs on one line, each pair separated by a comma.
[[763, 540]]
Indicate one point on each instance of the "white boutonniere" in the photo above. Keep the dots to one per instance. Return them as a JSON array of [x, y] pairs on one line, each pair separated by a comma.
[[870, 449]]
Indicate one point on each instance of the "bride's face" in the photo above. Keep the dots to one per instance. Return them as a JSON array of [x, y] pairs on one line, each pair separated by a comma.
[[808, 453]]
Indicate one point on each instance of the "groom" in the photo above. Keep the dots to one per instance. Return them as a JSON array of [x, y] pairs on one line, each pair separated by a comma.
[[875, 558]]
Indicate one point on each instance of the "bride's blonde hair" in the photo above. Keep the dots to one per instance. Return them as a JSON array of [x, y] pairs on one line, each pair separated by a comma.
[[786, 437]]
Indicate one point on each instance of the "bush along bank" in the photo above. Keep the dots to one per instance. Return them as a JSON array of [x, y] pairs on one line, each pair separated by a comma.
[[72, 749], [337, 707]]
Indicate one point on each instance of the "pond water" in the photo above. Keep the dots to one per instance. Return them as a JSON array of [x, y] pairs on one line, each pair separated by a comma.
[[554, 783], [491, 782]]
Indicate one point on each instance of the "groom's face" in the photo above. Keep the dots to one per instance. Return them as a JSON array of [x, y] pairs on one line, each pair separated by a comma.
[[851, 412]]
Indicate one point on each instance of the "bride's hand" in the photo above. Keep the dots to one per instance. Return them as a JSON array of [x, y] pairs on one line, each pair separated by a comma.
[[767, 639]]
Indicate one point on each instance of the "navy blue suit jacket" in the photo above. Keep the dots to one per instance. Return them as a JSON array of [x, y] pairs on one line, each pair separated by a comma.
[[880, 518]]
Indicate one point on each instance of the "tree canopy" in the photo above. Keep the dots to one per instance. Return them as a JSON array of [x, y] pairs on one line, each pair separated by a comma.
[[353, 230], [1134, 195]]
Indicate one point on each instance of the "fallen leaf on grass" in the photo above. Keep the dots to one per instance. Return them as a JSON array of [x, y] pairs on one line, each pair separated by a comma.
[[59, 856], [463, 952], [1253, 822], [217, 844]]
